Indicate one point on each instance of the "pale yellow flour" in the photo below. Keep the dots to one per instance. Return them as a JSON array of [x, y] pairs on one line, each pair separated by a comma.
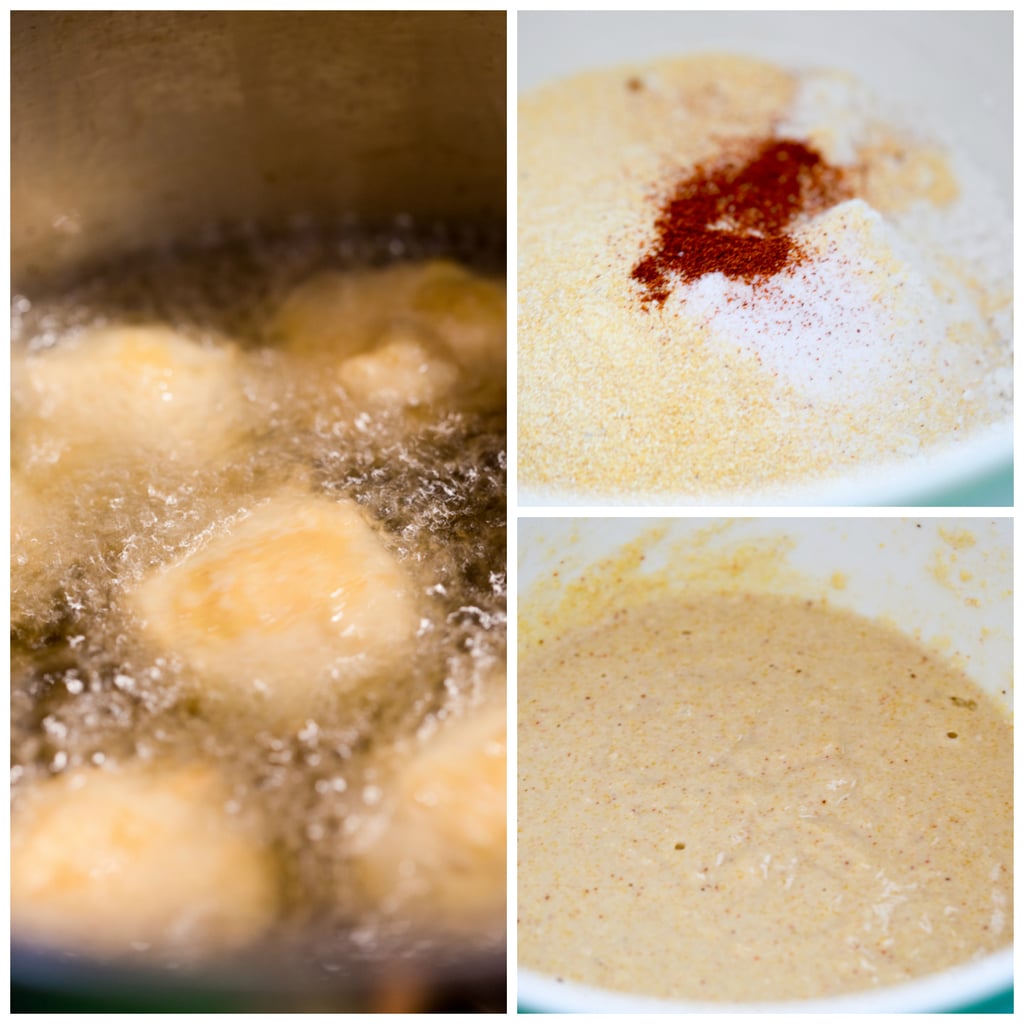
[[894, 339]]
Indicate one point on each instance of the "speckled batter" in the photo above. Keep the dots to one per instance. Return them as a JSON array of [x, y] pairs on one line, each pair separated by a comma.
[[737, 797]]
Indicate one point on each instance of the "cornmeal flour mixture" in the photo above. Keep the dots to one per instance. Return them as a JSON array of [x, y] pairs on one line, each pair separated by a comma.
[[735, 278]]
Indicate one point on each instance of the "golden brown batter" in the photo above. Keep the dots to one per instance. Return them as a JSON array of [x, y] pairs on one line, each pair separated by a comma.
[[736, 797]]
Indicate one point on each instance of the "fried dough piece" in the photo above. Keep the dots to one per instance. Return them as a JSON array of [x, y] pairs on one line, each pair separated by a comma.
[[296, 602], [127, 394], [111, 861], [403, 335], [437, 851]]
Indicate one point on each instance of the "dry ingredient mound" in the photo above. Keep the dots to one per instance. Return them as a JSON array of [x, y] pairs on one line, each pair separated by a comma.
[[735, 279]]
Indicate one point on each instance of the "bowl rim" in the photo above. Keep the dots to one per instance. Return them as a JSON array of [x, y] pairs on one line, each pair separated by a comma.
[[957, 987], [929, 478]]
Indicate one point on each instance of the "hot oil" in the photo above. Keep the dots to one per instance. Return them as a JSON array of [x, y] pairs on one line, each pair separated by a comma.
[[83, 690]]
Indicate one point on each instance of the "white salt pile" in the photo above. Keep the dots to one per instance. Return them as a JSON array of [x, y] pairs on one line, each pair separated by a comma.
[[858, 313]]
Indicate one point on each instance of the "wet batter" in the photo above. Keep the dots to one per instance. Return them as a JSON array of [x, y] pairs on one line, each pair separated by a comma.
[[737, 797]]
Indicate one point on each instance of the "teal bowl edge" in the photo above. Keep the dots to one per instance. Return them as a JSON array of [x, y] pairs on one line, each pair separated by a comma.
[[994, 489], [1001, 1003]]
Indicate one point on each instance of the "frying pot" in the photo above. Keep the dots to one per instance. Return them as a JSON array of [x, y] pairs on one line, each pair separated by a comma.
[[132, 131]]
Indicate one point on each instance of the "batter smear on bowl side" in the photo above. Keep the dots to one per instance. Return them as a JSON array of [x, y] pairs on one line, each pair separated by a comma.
[[736, 797], [737, 280]]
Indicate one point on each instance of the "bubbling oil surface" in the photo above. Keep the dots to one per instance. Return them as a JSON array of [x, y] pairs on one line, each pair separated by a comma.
[[85, 694]]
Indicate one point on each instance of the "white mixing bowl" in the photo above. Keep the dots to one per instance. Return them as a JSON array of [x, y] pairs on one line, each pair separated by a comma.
[[947, 582], [954, 69]]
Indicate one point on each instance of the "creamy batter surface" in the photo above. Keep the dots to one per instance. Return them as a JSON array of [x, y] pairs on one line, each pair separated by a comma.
[[737, 797]]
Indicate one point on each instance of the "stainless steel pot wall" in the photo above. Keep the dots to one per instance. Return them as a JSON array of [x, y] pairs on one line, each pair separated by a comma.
[[130, 128]]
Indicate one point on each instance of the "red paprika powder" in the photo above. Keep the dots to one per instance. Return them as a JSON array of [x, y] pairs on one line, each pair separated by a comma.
[[732, 216]]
